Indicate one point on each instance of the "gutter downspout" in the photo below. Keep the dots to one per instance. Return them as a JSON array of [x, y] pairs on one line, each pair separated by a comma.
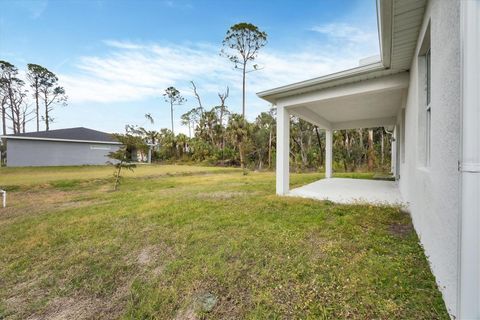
[[469, 164]]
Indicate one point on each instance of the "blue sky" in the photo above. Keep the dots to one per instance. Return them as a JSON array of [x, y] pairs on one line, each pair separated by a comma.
[[115, 58]]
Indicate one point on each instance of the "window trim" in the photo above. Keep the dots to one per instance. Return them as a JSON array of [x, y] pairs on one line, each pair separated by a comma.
[[428, 107]]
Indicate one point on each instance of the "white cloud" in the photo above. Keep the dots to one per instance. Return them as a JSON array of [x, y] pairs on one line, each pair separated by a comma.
[[137, 71], [346, 32]]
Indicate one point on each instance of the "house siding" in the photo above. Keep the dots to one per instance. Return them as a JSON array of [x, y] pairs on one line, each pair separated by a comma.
[[25, 153], [433, 192]]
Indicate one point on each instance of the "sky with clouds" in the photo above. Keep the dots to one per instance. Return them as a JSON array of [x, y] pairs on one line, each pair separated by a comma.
[[116, 57]]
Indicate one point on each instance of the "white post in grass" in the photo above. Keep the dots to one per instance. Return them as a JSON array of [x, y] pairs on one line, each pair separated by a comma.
[[283, 150], [328, 152], [4, 198]]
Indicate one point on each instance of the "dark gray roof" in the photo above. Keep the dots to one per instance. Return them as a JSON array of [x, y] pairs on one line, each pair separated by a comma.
[[79, 133]]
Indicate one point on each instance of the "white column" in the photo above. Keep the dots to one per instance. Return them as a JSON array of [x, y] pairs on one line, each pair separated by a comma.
[[393, 159], [469, 286], [328, 152], [283, 150]]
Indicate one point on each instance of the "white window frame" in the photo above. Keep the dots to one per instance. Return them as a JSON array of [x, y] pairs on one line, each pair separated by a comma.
[[428, 107]]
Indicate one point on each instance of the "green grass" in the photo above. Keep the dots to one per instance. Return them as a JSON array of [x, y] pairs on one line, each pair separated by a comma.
[[13, 178], [205, 243]]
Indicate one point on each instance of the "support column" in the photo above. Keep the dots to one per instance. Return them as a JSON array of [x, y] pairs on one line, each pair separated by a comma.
[[328, 152], [393, 151], [283, 151]]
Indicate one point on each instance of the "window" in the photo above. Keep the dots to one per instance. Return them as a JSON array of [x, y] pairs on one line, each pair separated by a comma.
[[97, 147], [425, 105], [428, 109]]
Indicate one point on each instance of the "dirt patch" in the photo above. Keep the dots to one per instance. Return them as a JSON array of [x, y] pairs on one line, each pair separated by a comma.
[[145, 256], [318, 244], [81, 307], [400, 230], [221, 195], [34, 202], [70, 308], [152, 259], [187, 314]]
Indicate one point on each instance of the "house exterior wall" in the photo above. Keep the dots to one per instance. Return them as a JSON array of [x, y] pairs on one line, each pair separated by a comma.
[[23, 153], [433, 191]]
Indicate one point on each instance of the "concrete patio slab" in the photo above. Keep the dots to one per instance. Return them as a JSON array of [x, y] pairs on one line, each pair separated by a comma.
[[342, 190]]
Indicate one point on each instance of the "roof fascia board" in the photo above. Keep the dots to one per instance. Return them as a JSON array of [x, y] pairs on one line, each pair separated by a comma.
[[269, 95], [59, 140], [385, 27], [391, 82]]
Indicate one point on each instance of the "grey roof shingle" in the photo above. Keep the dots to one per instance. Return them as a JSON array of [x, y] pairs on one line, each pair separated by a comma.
[[79, 133]]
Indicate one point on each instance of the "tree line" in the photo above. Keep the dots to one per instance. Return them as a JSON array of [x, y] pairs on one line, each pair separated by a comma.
[[31, 100], [221, 137]]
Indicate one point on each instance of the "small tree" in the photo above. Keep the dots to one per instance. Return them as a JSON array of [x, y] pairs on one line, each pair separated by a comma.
[[173, 96], [122, 158], [241, 45]]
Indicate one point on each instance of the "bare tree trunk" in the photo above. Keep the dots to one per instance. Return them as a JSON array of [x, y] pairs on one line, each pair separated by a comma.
[[37, 111], [242, 157], [14, 121], [197, 96], [382, 148], [47, 120], [270, 149], [171, 117], [243, 89], [24, 116], [370, 152], [4, 116], [117, 177], [319, 145]]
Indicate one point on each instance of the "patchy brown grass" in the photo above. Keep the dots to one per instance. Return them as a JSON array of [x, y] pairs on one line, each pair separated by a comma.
[[209, 246]]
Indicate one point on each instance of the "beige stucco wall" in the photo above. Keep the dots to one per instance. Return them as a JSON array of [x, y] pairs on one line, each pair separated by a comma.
[[433, 192]]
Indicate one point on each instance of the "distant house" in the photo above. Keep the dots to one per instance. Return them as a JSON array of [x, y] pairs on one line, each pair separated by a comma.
[[63, 147]]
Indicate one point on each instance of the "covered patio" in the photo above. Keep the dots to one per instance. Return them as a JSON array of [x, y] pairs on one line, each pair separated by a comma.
[[347, 191], [364, 97]]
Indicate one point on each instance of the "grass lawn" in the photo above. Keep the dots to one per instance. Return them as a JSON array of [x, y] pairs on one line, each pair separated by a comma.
[[183, 242]]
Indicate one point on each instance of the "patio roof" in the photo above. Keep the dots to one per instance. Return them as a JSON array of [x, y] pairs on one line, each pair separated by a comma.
[[365, 104]]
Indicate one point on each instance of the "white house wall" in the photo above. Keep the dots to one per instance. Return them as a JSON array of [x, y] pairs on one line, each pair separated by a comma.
[[433, 192]]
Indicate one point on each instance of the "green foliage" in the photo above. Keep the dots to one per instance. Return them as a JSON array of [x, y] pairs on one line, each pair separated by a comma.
[[244, 41], [122, 157], [241, 45], [221, 137]]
